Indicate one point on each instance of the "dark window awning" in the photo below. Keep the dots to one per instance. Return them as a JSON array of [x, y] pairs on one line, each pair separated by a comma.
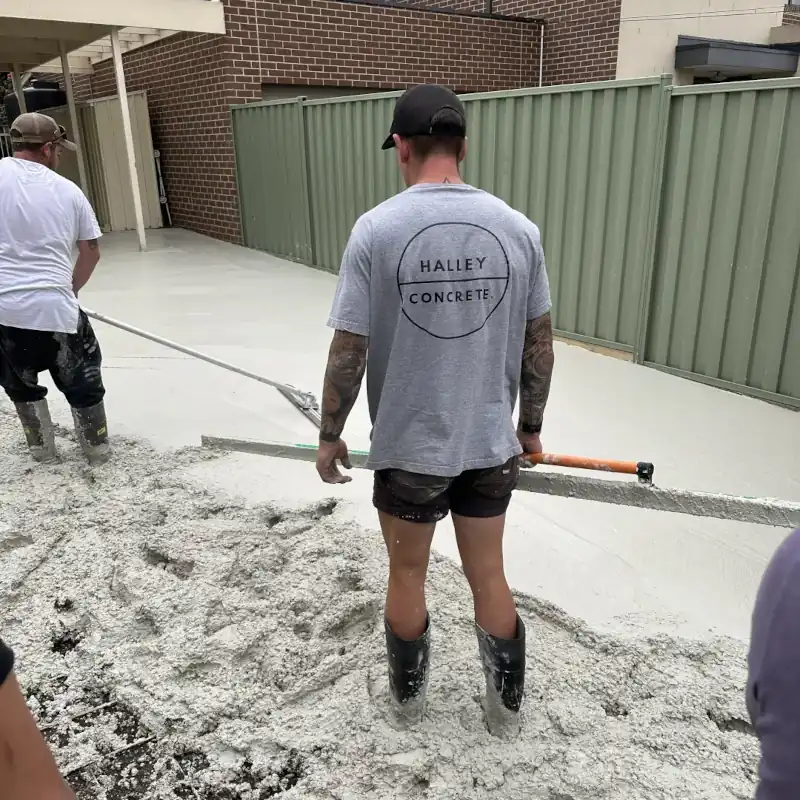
[[718, 59]]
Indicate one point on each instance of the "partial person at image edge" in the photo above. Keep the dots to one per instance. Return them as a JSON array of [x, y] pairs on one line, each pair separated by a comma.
[[43, 216], [27, 768], [443, 299], [773, 686]]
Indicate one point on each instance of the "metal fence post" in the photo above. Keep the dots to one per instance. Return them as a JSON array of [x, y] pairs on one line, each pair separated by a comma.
[[236, 167], [307, 187], [654, 210]]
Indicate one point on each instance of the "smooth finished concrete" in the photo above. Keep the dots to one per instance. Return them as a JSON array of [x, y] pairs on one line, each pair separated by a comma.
[[613, 566]]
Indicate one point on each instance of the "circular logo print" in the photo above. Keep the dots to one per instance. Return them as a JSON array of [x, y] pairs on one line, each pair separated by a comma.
[[452, 277]]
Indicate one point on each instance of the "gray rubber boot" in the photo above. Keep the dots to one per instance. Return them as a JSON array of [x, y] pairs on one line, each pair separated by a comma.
[[38, 427], [504, 667], [408, 672], [91, 429]]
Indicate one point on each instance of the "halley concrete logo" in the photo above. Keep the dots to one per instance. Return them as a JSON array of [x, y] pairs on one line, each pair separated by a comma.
[[452, 277]]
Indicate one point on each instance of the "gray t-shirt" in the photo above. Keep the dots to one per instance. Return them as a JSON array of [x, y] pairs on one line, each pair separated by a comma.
[[442, 279]]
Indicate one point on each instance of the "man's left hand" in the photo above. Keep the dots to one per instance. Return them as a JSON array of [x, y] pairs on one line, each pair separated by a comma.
[[327, 456]]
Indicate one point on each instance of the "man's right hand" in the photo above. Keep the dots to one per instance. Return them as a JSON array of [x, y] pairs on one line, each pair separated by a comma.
[[531, 443], [327, 456]]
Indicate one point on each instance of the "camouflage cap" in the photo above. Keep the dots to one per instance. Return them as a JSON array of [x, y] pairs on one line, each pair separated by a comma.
[[39, 129]]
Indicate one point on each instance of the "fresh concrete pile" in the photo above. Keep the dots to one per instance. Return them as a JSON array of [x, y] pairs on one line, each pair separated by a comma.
[[225, 651]]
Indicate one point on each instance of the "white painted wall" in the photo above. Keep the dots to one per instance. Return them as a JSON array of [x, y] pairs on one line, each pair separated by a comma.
[[649, 30]]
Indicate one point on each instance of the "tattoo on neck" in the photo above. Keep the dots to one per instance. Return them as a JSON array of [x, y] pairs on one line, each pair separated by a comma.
[[537, 369], [446, 180], [347, 362]]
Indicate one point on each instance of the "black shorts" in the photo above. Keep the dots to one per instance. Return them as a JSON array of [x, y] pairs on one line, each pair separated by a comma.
[[73, 361], [478, 493]]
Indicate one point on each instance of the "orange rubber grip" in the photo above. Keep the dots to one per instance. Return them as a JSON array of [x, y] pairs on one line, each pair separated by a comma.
[[580, 462]]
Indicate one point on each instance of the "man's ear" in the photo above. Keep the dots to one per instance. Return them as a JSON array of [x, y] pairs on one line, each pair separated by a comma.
[[403, 149], [463, 154]]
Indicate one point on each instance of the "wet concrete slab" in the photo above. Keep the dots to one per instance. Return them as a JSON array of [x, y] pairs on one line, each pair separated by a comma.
[[610, 565]]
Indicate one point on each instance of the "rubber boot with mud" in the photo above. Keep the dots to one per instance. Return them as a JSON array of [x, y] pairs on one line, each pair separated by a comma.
[[504, 667], [38, 427], [408, 672], [91, 429]]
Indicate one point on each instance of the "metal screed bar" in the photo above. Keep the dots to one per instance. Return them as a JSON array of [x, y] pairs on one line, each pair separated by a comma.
[[762, 511]]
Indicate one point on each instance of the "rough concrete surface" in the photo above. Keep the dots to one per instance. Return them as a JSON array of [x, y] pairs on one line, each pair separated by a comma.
[[233, 650], [194, 625], [597, 561]]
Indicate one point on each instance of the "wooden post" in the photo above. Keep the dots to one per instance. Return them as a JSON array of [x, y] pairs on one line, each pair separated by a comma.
[[73, 115], [16, 78], [128, 136]]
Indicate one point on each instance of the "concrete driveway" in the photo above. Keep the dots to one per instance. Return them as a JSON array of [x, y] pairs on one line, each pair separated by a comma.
[[613, 566]]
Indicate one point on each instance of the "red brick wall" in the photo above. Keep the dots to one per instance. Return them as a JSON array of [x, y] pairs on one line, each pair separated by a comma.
[[329, 42], [581, 37], [192, 80], [189, 103], [580, 40]]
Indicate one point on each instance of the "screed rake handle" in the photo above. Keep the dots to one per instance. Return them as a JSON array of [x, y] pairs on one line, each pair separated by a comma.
[[642, 469]]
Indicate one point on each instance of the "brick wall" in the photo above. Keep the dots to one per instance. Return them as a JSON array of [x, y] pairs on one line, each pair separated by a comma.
[[328, 42], [189, 105], [192, 80], [581, 38]]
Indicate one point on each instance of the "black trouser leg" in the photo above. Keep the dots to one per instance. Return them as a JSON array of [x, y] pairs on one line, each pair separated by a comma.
[[77, 367], [23, 355]]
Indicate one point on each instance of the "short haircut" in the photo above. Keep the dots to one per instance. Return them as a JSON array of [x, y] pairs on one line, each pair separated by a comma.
[[446, 137], [425, 146], [26, 147]]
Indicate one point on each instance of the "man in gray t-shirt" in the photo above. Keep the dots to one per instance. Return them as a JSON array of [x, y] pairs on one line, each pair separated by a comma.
[[443, 291]]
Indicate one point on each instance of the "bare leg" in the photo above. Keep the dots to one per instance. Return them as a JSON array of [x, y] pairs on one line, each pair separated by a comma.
[[480, 542], [409, 546], [27, 768]]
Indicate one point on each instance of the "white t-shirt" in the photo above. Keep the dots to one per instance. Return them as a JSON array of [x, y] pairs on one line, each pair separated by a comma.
[[42, 217]]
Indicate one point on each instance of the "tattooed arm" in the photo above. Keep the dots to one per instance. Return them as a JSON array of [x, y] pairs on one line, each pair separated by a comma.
[[347, 361], [88, 256], [537, 369]]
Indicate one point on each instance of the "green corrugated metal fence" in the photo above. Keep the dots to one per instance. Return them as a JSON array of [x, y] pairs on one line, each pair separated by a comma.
[[269, 139], [348, 172], [579, 161], [670, 216], [724, 303]]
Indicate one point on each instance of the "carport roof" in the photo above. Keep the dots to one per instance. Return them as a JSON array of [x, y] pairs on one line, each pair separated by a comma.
[[31, 30]]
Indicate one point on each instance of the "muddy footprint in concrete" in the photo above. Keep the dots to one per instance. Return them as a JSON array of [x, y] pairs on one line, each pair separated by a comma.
[[179, 567], [357, 621], [66, 640], [15, 542]]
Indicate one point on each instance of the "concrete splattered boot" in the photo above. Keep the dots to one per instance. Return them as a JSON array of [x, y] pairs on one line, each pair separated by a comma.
[[408, 672], [38, 427], [92, 432], [504, 667]]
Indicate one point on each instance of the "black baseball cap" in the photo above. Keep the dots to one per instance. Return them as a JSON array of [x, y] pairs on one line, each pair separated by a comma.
[[417, 110]]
